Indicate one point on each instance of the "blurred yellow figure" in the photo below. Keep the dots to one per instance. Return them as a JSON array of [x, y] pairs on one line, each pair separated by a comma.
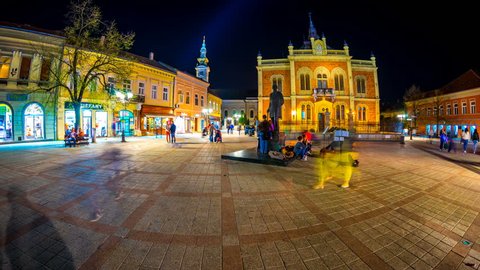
[[338, 164]]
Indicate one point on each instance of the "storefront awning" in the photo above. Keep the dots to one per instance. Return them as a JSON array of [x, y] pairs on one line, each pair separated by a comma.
[[156, 111]]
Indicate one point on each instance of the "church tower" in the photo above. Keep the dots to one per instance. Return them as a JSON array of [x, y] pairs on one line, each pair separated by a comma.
[[202, 68]]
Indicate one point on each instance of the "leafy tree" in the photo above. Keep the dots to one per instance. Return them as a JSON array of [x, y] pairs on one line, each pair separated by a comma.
[[93, 51], [243, 120]]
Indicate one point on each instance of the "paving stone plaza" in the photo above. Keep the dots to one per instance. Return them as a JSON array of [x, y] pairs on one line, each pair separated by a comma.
[[146, 204]]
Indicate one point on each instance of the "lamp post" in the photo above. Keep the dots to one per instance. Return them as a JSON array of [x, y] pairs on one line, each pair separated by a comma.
[[124, 97], [294, 116]]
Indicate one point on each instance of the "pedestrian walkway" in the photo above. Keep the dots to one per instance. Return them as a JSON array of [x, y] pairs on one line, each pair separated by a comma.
[[147, 204]]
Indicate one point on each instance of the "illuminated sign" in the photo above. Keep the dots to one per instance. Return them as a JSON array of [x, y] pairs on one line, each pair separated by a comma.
[[85, 106]]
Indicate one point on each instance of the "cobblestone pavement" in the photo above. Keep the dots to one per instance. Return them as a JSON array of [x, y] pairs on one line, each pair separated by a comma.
[[146, 204]]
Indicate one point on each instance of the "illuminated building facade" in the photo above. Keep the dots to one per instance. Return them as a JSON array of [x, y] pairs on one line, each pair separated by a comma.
[[25, 112], [322, 87], [452, 107]]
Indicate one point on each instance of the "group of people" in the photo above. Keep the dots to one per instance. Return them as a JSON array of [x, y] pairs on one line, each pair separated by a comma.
[[73, 135], [170, 131], [214, 133], [447, 140]]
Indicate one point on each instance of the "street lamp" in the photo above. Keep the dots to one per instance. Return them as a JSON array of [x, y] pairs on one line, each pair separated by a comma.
[[124, 98], [294, 116]]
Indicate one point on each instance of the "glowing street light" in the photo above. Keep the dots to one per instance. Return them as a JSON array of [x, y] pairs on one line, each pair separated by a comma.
[[124, 97]]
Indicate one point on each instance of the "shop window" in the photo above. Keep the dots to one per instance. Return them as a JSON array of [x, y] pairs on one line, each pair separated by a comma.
[[303, 112], [309, 112], [6, 133], [33, 120], [5, 62]]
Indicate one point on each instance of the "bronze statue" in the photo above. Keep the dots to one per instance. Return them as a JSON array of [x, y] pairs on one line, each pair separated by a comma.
[[275, 109]]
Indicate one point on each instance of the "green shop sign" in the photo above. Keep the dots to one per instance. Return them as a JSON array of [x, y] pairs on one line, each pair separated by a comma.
[[84, 106]]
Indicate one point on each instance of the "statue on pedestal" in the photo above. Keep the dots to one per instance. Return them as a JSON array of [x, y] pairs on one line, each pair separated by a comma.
[[275, 111]]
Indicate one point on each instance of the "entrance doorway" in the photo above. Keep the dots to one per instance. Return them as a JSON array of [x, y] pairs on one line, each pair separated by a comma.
[[321, 122], [87, 122], [34, 127]]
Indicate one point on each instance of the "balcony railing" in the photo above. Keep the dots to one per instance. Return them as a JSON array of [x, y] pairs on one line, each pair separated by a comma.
[[138, 99]]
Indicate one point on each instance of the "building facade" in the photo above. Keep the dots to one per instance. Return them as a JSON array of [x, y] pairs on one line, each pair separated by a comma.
[[233, 109], [322, 87], [213, 111], [191, 97], [452, 107], [26, 112]]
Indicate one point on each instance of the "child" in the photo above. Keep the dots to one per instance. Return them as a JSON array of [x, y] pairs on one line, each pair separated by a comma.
[[218, 136]]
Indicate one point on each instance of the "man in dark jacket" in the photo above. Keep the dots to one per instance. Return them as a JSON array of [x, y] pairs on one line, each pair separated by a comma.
[[173, 128]]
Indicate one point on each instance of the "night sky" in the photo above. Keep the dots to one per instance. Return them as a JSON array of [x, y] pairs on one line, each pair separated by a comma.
[[426, 46]]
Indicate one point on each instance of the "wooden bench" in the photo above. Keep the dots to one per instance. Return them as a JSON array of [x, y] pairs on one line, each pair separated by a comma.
[[71, 143]]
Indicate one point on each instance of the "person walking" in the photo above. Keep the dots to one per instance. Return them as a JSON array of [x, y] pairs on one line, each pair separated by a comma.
[[475, 140], [173, 129], [443, 139], [465, 138]]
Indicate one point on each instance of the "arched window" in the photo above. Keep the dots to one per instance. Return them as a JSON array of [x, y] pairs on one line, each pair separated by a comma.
[[361, 85], [362, 113], [339, 83], [251, 113], [322, 80], [34, 126], [337, 112], [226, 113], [277, 80], [196, 100], [342, 112], [309, 113], [303, 112], [304, 82], [202, 102]]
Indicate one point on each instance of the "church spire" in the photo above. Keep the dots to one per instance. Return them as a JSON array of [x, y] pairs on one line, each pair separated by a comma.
[[312, 32], [202, 67]]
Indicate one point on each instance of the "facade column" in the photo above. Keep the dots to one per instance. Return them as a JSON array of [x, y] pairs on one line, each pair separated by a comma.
[[35, 70], [260, 94], [351, 92], [14, 69]]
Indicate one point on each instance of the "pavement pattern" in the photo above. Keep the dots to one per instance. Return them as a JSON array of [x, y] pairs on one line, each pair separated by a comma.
[[146, 204]]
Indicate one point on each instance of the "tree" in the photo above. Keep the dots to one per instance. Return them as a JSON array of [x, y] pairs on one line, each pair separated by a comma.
[[412, 98], [438, 109], [93, 51], [243, 120]]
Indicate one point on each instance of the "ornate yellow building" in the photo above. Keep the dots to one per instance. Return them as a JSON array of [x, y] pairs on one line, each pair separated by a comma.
[[322, 87]]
